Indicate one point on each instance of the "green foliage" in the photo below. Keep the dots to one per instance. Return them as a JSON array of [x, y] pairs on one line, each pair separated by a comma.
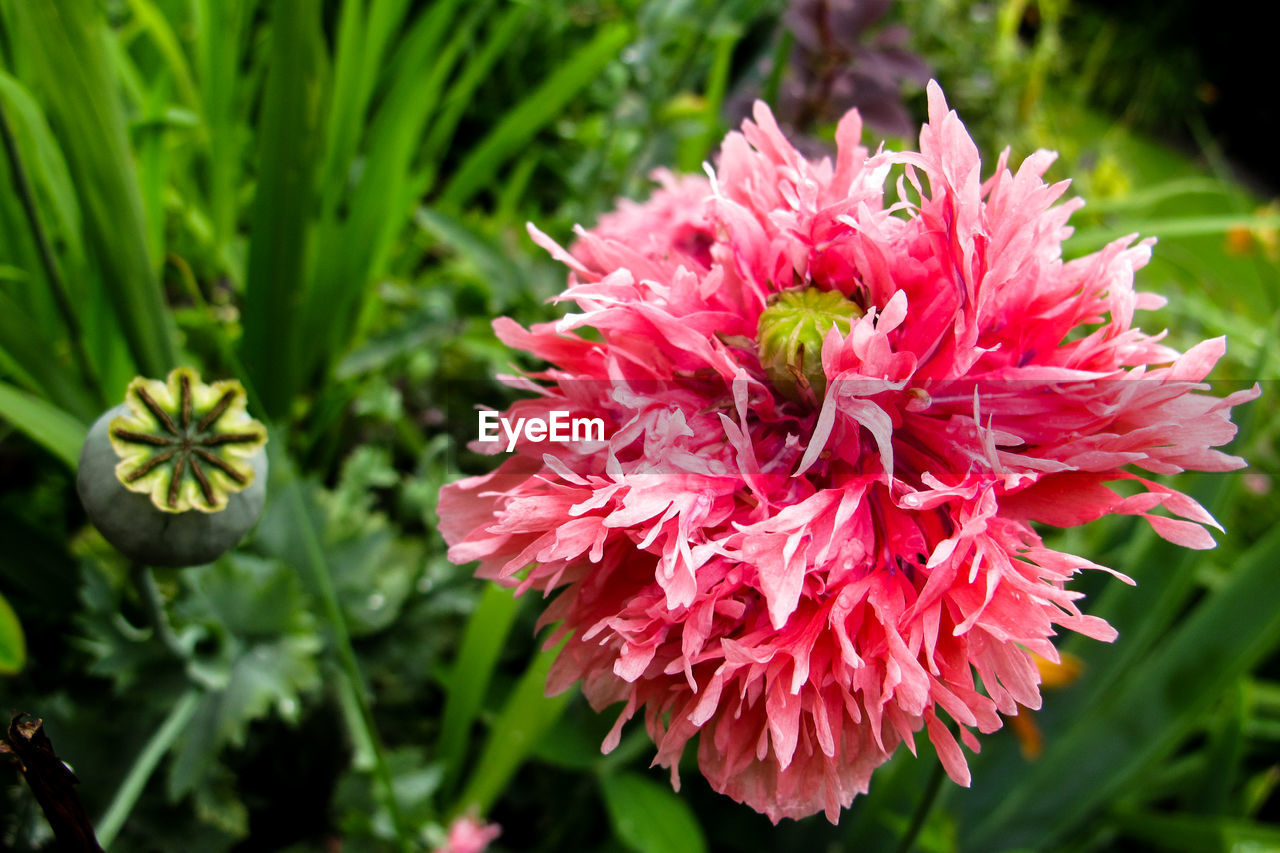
[[539, 107], [522, 722], [276, 283], [63, 46], [648, 818], [1105, 753], [482, 642], [13, 646], [46, 424]]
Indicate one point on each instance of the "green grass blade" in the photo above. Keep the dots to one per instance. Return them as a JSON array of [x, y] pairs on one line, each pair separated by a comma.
[[154, 147], [385, 18], [1089, 239], [1146, 197], [347, 103], [696, 149], [154, 23], [1198, 833], [1224, 756], [277, 270], [499, 38], [220, 36], [287, 488], [506, 280], [13, 647], [30, 357], [351, 251], [527, 715], [512, 134], [126, 797], [361, 46], [45, 424], [47, 165], [1149, 713], [483, 641], [65, 40], [37, 317]]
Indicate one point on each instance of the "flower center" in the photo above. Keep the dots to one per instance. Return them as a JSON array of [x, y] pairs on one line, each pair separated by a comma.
[[789, 338], [186, 443]]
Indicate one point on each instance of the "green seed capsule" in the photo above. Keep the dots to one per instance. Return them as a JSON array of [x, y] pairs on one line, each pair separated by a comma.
[[790, 335], [175, 475]]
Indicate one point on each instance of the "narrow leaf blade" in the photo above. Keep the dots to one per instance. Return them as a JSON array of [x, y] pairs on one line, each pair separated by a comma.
[[46, 424], [648, 817]]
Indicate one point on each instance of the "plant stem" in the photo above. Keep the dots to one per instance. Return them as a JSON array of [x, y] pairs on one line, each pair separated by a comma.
[[144, 765], [922, 809], [342, 641], [145, 582], [22, 186]]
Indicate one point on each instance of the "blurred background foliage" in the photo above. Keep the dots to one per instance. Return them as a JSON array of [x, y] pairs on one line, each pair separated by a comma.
[[326, 198]]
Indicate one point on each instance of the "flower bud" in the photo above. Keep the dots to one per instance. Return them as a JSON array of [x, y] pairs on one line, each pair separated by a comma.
[[789, 338]]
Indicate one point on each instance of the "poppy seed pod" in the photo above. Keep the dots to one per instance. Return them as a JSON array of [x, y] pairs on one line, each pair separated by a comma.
[[175, 475], [790, 334]]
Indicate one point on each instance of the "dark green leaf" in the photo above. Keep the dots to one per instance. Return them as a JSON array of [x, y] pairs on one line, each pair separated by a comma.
[[528, 713], [1149, 713], [648, 817], [266, 676], [66, 43], [282, 205], [13, 647], [518, 126], [46, 424], [1199, 833], [485, 637]]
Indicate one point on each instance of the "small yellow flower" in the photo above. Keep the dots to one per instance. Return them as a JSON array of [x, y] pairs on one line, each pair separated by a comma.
[[1053, 676]]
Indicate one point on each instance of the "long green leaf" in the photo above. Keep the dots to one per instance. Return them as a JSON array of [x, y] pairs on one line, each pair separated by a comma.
[[649, 818], [65, 41], [483, 641], [527, 714], [1223, 757], [1149, 713], [513, 133], [29, 351], [362, 40], [220, 32], [13, 648], [46, 424], [498, 39], [275, 290], [157, 27], [48, 166], [1199, 833], [286, 487], [493, 264], [1151, 196], [56, 309], [351, 249], [1089, 239], [126, 796]]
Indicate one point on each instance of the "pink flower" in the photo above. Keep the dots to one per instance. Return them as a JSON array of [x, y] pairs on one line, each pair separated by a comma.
[[803, 537], [468, 835]]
